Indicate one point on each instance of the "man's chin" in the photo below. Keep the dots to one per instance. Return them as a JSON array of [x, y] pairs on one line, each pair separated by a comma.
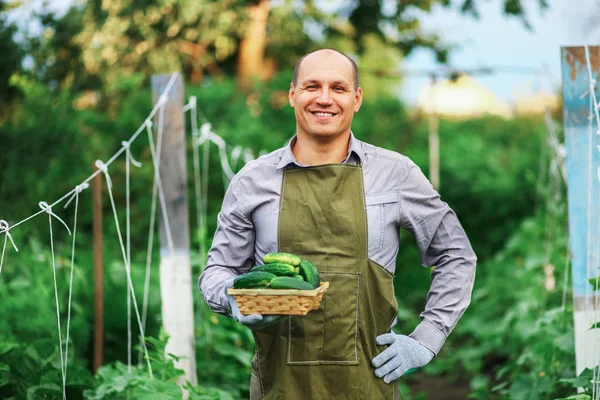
[[324, 135]]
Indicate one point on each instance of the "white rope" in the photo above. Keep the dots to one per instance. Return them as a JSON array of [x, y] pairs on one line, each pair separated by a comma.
[[594, 112], [208, 135], [197, 188], [103, 168], [45, 207], [162, 99], [78, 190], [149, 249], [155, 152], [6, 228], [205, 167], [566, 276], [235, 155], [129, 160]]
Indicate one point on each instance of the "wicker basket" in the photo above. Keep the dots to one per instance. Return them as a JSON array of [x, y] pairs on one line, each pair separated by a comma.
[[278, 301]]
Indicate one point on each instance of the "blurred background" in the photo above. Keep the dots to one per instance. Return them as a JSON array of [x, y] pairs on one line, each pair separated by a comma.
[[483, 76]]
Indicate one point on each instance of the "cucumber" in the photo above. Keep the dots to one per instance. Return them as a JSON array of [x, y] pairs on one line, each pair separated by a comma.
[[288, 282], [310, 273], [253, 279], [280, 257], [296, 276], [279, 269]]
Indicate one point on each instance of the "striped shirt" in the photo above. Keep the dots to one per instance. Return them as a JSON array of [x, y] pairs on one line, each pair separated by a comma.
[[397, 195]]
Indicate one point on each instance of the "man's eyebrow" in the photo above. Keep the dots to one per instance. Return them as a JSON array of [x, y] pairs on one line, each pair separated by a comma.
[[309, 82], [334, 83]]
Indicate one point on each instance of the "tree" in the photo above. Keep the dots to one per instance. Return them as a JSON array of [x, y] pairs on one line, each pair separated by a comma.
[[11, 59], [249, 38]]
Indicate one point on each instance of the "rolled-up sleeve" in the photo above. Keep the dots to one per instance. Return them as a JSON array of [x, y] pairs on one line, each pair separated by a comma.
[[442, 243], [232, 249]]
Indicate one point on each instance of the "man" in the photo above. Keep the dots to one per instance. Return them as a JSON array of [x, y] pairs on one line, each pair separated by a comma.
[[339, 203]]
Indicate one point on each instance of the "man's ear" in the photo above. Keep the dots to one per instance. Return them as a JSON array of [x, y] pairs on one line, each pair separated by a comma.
[[358, 99], [291, 95]]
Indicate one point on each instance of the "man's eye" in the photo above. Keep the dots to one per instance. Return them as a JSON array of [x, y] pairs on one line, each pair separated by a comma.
[[311, 87], [338, 89]]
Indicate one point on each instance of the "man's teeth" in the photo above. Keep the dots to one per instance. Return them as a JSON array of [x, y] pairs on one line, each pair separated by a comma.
[[321, 114]]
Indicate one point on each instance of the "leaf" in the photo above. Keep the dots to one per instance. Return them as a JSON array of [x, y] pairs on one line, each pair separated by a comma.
[[4, 373], [243, 356], [499, 387], [7, 347], [576, 397], [581, 381], [158, 390], [113, 379], [595, 326], [592, 281], [522, 388], [47, 390]]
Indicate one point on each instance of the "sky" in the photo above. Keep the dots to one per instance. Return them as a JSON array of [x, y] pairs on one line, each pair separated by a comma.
[[494, 40], [498, 41]]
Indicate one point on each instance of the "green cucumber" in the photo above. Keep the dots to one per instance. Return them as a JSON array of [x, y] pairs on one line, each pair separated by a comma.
[[310, 273], [279, 269], [280, 257], [296, 276], [253, 279], [288, 282]]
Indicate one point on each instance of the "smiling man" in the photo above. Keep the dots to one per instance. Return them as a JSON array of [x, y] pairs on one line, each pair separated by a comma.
[[339, 203]]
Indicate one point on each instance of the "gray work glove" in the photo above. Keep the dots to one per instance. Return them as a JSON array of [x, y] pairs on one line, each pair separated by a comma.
[[403, 353], [252, 321]]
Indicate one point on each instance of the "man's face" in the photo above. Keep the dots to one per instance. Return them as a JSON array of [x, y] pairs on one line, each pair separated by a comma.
[[325, 99]]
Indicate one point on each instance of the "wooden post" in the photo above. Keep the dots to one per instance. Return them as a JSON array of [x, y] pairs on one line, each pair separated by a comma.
[[434, 143], [583, 161], [175, 264], [98, 272]]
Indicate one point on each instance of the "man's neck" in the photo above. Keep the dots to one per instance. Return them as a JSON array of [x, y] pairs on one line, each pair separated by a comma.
[[319, 152]]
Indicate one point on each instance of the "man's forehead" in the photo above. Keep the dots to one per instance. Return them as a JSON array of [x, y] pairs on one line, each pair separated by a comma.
[[328, 65]]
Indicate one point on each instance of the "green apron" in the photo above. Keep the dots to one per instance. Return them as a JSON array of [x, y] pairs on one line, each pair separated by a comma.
[[327, 353]]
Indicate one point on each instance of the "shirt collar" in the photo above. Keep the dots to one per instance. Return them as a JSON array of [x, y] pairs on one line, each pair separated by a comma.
[[354, 146]]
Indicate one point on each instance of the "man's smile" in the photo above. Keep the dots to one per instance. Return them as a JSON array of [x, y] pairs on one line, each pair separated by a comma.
[[323, 115]]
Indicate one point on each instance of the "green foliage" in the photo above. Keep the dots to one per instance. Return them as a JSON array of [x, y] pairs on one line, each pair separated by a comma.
[[12, 55], [515, 341], [117, 381], [480, 160], [586, 381], [98, 44]]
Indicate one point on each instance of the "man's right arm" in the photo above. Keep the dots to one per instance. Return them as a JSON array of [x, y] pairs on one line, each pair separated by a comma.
[[232, 250]]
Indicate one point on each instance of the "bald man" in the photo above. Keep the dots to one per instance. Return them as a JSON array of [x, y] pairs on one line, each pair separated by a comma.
[[339, 203]]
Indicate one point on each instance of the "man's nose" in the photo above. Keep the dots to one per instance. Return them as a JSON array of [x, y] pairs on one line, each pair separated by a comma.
[[324, 98]]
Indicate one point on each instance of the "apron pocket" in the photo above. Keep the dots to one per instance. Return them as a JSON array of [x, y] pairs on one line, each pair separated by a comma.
[[328, 335]]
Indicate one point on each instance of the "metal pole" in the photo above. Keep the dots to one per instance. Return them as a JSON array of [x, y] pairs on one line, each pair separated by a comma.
[[98, 271], [583, 161], [434, 142], [176, 286]]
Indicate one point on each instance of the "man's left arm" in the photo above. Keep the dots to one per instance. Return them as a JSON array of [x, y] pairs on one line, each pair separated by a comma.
[[443, 243]]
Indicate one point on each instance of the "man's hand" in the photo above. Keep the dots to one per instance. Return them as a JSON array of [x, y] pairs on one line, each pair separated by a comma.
[[252, 321], [402, 354]]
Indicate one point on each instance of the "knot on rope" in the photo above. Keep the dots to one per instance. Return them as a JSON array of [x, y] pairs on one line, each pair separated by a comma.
[[82, 187], [127, 146], [6, 228], [48, 209], [78, 189], [104, 169], [162, 100]]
